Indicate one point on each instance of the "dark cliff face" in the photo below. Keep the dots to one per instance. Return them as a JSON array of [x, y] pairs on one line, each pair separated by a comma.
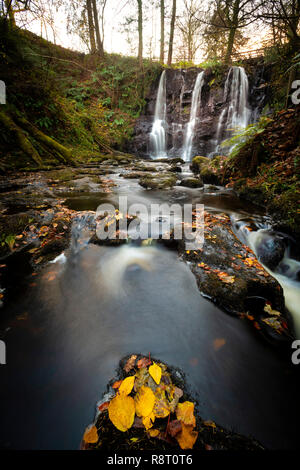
[[179, 90]]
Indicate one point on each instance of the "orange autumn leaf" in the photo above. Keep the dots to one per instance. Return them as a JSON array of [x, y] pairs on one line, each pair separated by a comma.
[[153, 432], [121, 411], [185, 413], [91, 436], [187, 437], [219, 343], [127, 385], [117, 384], [144, 401], [103, 406]]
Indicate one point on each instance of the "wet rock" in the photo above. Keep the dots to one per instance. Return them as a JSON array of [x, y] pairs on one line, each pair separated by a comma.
[[270, 249], [228, 273], [208, 435], [175, 169], [198, 163], [160, 181], [192, 182]]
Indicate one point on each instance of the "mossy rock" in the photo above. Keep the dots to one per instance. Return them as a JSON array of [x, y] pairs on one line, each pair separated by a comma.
[[192, 183], [209, 176], [198, 162], [160, 181]]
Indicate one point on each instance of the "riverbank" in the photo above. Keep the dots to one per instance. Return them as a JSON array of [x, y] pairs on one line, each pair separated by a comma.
[[265, 170]]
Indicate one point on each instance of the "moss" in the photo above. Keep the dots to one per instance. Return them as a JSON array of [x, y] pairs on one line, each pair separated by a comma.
[[162, 181], [198, 162], [209, 175]]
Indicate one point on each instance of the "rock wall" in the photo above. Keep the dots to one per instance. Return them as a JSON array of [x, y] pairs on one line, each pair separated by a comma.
[[179, 89]]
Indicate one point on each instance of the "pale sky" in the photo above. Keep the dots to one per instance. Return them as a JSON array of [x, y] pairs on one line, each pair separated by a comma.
[[115, 40]]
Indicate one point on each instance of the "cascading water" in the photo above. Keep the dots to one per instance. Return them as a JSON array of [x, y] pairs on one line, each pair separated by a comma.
[[158, 132], [237, 113], [188, 143]]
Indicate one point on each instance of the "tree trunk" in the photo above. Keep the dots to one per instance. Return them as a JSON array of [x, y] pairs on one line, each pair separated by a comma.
[[172, 28], [10, 12], [230, 43], [162, 31], [21, 137], [233, 24], [140, 30], [98, 37], [91, 26], [62, 152]]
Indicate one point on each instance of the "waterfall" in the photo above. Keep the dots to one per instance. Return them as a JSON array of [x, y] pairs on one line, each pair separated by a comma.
[[188, 143], [158, 133], [238, 112]]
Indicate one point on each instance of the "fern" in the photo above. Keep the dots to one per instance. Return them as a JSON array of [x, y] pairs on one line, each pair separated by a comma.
[[241, 138]]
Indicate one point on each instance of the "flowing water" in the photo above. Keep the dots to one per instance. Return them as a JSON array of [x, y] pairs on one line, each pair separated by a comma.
[[236, 115], [196, 104], [66, 334], [158, 132]]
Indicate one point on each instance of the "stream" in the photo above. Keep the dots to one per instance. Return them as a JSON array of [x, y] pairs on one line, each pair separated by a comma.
[[64, 338]]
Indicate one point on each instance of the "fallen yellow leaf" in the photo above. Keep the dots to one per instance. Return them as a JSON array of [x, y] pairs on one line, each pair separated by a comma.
[[144, 401], [153, 432], [185, 413], [91, 436], [121, 412], [148, 421], [127, 385], [155, 372], [187, 437]]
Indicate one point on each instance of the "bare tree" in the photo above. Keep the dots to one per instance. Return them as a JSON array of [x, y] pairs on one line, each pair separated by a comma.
[[189, 26], [283, 17], [140, 31], [231, 16], [172, 29], [91, 26], [162, 31]]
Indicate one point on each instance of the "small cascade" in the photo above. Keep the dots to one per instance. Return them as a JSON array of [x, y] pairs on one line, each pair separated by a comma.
[[158, 132], [188, 143], [237, 113]]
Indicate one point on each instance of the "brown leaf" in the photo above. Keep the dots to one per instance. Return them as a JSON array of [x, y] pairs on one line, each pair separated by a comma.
[[144, 362], [174, 427], [130, 363]]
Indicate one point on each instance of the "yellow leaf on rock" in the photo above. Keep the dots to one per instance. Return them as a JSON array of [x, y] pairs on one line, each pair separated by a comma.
[[161, 406], [185, 413], [144, 401], [187, 437], [211, 424], [148, 421], [121, 411], [127, 385], [155, 372], [91, 436]]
